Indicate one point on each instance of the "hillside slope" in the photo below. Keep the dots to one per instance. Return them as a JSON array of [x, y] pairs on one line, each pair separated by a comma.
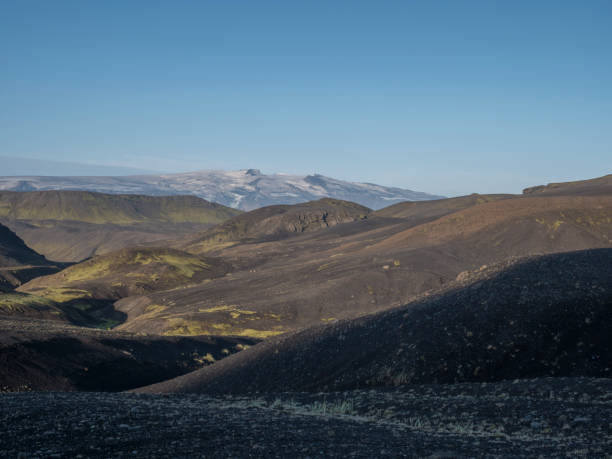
[[422, 211], [50, 356], [277, 222], [126, 272], [596, 186], [88, 207], [74, 225], [14, 252], [369, 265], [543, 316]]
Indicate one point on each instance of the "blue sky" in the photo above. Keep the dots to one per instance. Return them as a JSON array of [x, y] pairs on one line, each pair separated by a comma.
[[449, 97]]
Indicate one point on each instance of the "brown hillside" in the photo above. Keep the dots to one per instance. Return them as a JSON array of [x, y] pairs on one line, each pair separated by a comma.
[[275, 222], [366, 266], [596, 186], [421, 211], [568, 221]]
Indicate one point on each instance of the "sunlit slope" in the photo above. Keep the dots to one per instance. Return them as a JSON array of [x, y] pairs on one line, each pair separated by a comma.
[[99, 208], [423, 210], [124, 273], [596, 186], [529, 224]]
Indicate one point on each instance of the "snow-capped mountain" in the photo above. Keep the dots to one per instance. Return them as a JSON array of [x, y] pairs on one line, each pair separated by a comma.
[[243, 189]]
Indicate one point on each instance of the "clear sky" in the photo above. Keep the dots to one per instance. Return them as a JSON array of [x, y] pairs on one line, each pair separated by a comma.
[[448, 97]]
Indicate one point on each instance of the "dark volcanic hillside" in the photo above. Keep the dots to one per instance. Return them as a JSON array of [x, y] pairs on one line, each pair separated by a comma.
[[19, 263], [276, 222], [73, 225], [14, 252], [543, 316]]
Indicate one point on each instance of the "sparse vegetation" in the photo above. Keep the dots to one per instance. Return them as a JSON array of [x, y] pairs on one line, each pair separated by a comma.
[[185, 327], [124, 273]]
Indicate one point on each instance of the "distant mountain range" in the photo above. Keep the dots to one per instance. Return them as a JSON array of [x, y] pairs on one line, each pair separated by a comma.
[[243, 189]]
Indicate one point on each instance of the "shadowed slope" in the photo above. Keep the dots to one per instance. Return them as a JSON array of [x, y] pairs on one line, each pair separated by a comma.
[[42, 355], [543, 316], [19, 263], [14, 252]]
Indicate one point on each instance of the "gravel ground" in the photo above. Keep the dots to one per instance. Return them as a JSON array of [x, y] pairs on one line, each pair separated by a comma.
[[552, 417]]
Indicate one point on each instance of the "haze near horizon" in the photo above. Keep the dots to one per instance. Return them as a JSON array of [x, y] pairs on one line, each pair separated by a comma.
[[448, 98]]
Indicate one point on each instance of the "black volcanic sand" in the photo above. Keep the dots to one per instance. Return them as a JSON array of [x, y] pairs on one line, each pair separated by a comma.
[[543, 316], [554, 417]]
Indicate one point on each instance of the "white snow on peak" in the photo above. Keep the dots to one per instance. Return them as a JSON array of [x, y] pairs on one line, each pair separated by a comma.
[[245, 189]]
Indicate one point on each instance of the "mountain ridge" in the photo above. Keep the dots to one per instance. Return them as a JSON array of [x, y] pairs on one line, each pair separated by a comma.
[[245, 189]]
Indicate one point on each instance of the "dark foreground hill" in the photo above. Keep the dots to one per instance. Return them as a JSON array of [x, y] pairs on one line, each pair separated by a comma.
[[18, 262], [544, 316], [74, 225]]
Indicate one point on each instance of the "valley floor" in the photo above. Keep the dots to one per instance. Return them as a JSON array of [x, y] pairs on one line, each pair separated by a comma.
[[550, 417]]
